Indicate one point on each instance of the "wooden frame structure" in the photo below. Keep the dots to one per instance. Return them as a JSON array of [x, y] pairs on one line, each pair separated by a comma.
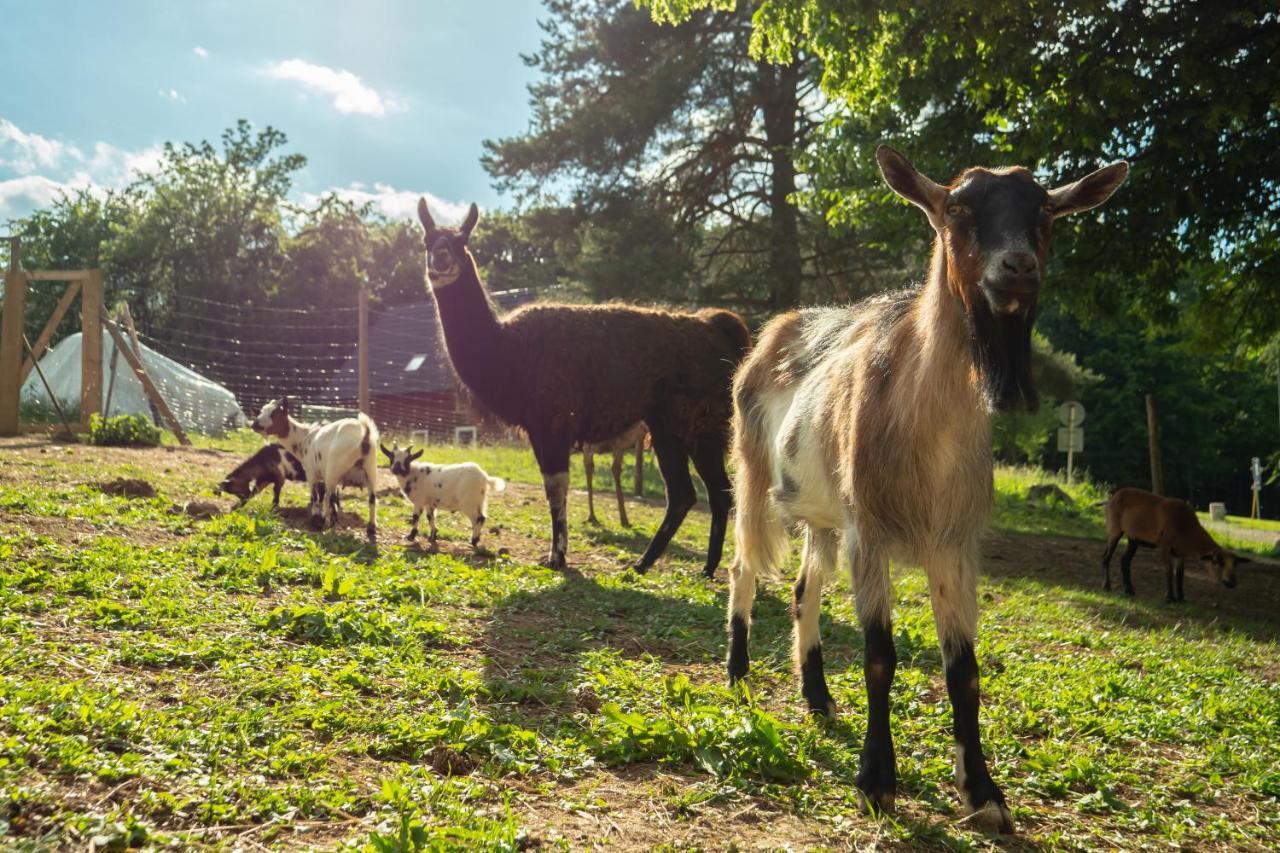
[[14, 368]]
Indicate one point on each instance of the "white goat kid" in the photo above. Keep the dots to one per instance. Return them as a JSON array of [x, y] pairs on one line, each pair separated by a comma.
[[330, 454], [463, 488]]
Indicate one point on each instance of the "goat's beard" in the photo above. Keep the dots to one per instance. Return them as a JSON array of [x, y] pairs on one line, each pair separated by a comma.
[[1001, 346]]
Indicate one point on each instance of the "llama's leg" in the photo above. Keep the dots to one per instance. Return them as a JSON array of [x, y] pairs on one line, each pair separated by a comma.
[[618, 460], [589, 470], [816, 565], [552, 453], [1126, 559], [1106, 561], [953, 592], [708, 460], [673, 461], [413, 526], [877, 777]]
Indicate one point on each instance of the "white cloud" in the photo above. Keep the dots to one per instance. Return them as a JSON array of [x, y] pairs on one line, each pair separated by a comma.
[[200, 52], [172, 95], [20, 196], [393, 203], [25, 153], [349, 93]]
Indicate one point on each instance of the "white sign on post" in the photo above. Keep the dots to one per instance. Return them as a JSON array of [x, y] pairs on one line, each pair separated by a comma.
[[1070, 435], [1070, 440]]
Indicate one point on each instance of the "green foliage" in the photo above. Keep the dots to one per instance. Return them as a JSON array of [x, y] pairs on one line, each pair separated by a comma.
[[123, 431]]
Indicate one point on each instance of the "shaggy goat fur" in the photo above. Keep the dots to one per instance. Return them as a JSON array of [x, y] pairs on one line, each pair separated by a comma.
[[617, 448], [328, 453], [870, 427], [271, 465], [580, 373], [462, 488], [1170, 526]]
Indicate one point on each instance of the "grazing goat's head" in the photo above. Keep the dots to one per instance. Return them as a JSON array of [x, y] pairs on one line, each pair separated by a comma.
[[401, 458], [274, 418], [1221, 566], [993, 232], [447, 255]]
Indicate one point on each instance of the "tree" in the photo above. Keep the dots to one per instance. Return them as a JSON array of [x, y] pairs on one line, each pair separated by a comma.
[[677, 121]]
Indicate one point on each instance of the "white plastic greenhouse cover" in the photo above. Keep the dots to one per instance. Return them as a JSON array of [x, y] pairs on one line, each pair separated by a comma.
[[199, 404]]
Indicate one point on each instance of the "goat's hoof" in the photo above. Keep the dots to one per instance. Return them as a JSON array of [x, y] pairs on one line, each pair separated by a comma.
[[875, 804], [640, 568], [411, 537], [317, 523], [992, 817], [555, 561], [709, 572], [593, 521]]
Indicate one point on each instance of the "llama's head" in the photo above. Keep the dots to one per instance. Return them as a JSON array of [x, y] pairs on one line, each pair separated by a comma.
[[447, 254], [993, 234], [273, 419], [401, 458]]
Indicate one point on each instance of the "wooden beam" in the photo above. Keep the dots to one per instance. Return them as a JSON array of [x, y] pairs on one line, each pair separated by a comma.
[[50, 327], [60, 275], [137, 348], [148, 386], [15, 306], [91, 346]]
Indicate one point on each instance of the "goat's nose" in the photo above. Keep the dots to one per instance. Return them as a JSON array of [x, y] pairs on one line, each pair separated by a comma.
[[1020, 263]]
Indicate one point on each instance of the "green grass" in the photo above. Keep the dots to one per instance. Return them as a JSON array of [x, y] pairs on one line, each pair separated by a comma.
[[171, 682]]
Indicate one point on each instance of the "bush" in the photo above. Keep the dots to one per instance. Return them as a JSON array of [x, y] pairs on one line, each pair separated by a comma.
[[123, 431]]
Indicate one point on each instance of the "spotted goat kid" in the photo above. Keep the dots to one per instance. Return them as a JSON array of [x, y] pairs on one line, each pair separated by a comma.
[[869, 427], [271, 466], [462, 488]]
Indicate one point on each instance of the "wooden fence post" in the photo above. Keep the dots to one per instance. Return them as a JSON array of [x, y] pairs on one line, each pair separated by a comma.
[[11, 334], [91, 347], [1153, 437], [362, 345]]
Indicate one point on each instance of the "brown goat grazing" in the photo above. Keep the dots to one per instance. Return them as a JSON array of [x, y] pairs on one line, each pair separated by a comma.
[[585, 373], [618, 448], [271, 465], [1170, 526], [870, 426]]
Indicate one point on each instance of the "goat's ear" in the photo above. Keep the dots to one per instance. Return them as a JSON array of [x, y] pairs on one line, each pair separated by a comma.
[[468, 224], [912, 185], [1090, 191], [424, 216], [383, 448], [284, 404], [417, 453]]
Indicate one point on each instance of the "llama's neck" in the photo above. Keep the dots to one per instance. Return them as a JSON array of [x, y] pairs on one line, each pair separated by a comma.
[[471, 328]]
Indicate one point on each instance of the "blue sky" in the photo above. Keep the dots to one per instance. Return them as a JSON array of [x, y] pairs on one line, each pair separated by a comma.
[[386, 98]]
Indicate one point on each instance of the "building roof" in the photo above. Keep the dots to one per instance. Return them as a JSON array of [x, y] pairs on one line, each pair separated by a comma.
[[406, 350]]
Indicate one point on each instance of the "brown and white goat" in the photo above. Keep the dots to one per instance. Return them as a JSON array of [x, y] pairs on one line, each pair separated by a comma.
[[617, 448], [271, 466], [1170, 526], [330, 453], [870, 426]]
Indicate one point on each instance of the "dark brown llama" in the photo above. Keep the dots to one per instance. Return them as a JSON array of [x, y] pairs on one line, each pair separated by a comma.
[[870, 426], [585, 373]]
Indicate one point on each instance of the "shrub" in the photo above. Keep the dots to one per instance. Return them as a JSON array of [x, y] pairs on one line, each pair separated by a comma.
[[123, 431]]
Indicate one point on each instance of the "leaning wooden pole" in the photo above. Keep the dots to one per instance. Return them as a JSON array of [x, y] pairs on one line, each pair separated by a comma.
[[11, 334], [153, 393], [66, 424], [1153, 438]]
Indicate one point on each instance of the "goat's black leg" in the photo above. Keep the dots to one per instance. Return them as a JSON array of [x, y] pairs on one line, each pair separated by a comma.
[[431, 523], [413, 526], [673, 462], [877, 777], [552, 453], [275, 495], [708, 460], [1106, 562], [371, 530], [1126, 560], [317, 506], [819, 561]]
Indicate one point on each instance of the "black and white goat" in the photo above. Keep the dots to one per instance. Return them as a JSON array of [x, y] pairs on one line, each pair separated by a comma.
[[271, 466], [462, 488], [870, 426], [330, 454]]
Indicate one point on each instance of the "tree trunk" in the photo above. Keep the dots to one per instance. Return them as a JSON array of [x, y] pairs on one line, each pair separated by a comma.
[[779, 102]]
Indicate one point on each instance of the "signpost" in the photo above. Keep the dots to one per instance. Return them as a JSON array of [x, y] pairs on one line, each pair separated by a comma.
[[1070, 434], [1256, 468]]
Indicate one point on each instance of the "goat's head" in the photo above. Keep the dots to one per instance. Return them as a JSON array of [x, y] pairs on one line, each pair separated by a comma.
[[1221, 566], [401, 458], [237, 484], [447, 255], [274, 418], [993, 232]]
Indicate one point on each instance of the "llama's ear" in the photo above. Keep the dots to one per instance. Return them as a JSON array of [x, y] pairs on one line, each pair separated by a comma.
[[1090, 191], [473, 216], [914, 186], [388, 453], [424, 216]]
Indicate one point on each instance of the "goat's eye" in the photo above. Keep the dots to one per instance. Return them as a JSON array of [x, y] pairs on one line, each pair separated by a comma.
[[956, 210]]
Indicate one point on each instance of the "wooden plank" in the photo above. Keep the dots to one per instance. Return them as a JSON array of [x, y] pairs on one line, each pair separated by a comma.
[[15, 305], [46, 335], [45, 428], [60, 275], [148, 386], [91, 347]]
